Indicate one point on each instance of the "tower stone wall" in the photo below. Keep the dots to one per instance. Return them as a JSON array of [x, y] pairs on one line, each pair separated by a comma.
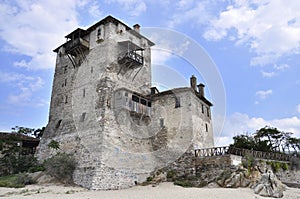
[[103, 112]]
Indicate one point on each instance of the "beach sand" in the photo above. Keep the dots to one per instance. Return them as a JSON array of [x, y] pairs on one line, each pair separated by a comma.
[[163, 191]]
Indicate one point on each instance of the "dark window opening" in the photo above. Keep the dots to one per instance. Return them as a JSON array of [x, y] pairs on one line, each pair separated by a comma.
[[65, 82], [207, 112], [202, 107], [144, 102], [161, 121], [99, 32], [126, 94], [135, 98], [177, 102], [66, 99], [83, 93], [82, 117], [206, 127], [149, 104], [58, 124], [65, 69]]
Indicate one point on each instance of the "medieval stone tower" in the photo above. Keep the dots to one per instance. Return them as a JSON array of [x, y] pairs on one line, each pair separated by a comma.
[[105, 112]]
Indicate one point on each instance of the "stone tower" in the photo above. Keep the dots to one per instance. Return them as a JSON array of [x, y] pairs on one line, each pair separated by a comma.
[[104, 111]]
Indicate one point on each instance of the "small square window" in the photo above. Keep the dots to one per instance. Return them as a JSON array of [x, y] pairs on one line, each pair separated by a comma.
[[82, 117], [177, 102], [161, 121]]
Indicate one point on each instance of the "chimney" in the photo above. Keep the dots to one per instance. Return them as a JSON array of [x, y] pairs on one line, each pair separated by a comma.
[[201, 89], [193, 81], [136, 27]]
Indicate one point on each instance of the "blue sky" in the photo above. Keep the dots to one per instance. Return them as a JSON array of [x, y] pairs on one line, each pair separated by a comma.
[[254, 45]]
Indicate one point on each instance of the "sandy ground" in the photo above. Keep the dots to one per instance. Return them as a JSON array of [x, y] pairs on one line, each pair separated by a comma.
[[163, 191]]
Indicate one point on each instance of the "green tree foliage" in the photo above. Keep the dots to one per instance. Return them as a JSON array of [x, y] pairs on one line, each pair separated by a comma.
[[54, 145], [12, 160], [61, 166], [268, 139], [37, 133]]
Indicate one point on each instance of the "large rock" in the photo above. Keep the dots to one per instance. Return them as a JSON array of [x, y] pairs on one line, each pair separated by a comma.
[[269, 186]]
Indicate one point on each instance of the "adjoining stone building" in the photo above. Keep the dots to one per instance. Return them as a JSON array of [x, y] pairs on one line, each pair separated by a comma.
[[104, 110]]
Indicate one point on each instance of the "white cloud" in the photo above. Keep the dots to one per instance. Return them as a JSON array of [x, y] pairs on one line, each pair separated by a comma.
[[188, 11], [167, 45], [132, 7], [34, 28], [263, 94], [23, 89], [268, 74], [239, 123], [271, 28], [281, 67]]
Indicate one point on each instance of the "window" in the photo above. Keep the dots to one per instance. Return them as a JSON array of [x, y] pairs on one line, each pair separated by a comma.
[[65, 69], [82, 117], [99, 33], [177, 102], [207, 109], [83, 92], [58, 124], [144, 102], [202, 107], [66, 99], [206, 127], [135, 98], [161, 121], [65, 82]]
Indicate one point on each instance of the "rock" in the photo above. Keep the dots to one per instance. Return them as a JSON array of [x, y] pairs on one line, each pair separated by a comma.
[[162, 177], [269, 186], [45, 179], [213, 185], [35, 176]]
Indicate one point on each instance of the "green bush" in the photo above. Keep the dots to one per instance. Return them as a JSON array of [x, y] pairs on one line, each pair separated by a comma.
[[171, 174], [276, 166], [284, 166], [61, 166], [16, 181], [149, 179], [183, 183]]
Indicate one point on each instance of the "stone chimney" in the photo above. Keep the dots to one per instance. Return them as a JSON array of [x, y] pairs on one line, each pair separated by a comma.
[[201, 89], [136, 27], [193, 81]]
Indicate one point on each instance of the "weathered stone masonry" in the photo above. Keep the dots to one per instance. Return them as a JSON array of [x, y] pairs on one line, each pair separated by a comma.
[[104, 111]]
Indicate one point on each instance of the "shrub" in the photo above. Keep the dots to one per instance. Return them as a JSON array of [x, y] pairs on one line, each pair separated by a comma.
[[284, 166], [61, 166], [16, 181], [183, 183], [149, 179], [171, 174]]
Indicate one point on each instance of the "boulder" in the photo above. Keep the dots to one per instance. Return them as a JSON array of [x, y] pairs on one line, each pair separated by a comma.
[[269, 186]]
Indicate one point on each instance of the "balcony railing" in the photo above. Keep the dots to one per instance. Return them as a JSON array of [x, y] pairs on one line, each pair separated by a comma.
[[136, 107], [131, 59], [71, 45]]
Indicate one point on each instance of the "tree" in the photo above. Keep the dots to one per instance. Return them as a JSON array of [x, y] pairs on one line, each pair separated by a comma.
[[37, 133], [268, 139]]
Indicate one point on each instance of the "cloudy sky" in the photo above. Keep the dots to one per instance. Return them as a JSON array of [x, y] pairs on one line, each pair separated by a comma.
[[254, 44]]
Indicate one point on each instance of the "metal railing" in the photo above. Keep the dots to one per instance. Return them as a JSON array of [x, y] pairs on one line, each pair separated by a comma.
[[218, 151]]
